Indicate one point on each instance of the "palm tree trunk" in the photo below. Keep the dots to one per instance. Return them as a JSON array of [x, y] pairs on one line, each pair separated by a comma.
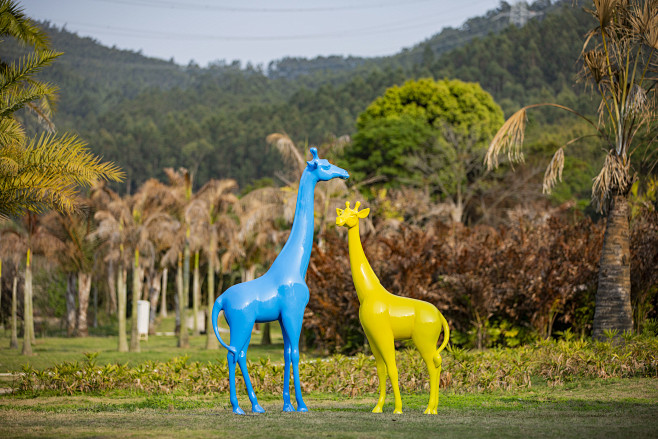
[[211, 340], [14, 320], [2, 322], [154, 296], [178, 297], [613, 297], [27, 315], [70, 304], [31, 304], [163, 304], [111, 288], [137, 289], [84, 288], [121, 299], [183, 338], [196, 293], [95, 296], [266, 339]]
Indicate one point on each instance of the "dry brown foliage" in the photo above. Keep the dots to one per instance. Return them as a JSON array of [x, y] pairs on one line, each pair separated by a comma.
[[530, 275]]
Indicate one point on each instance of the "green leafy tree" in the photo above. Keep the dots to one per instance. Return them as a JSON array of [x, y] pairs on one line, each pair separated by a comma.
[[44, 171], [431, 134], [619, 61]]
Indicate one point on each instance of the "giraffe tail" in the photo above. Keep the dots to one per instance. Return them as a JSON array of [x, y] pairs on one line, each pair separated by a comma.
[[446, 339], [216, 308]]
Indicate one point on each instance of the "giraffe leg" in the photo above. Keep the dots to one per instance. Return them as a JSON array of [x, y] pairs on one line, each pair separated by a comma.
[[293, 322], [386, 345], [240, 337], [437, 362], [427, 350], [381, 374], [232, 360], [287, 405], [242, 361]]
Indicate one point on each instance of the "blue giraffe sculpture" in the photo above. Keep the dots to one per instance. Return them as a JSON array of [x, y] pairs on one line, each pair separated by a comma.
[[280, 294]]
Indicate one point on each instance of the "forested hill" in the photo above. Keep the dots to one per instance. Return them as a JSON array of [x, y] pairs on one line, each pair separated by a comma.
[[147, 114]]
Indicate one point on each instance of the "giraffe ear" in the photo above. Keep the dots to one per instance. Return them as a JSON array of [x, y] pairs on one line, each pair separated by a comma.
[[363, 213], [339, 211]]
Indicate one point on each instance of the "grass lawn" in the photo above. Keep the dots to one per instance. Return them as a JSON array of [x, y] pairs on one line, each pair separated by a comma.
[[587, 408], [52, 350]]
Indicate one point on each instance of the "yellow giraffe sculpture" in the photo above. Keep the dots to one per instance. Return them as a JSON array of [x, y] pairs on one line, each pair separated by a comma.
[[386, 317]]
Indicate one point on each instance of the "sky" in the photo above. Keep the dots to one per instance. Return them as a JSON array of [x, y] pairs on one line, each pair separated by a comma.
[[256, 31]]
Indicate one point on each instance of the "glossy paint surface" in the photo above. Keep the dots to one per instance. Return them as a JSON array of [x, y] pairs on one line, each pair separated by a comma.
[[280, 294], [386, 317]]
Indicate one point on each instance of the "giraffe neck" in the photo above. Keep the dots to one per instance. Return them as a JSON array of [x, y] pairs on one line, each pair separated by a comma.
[[296, 253], [365, 281]]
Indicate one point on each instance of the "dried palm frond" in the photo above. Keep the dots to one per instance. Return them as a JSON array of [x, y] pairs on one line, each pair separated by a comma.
[[553, 172], [604, 11], [637, 103], [614, 178], [288, 150], [643, 18], [509, 138], [596, 67]]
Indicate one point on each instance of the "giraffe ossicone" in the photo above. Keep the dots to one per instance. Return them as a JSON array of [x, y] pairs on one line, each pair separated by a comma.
[[386, 317]]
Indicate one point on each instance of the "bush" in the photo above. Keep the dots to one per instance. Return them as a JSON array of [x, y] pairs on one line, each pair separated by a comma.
[[552, 362]]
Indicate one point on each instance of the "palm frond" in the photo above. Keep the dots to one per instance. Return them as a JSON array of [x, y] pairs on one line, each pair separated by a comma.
[[288, 150], [11, 132], [613, 178], [509, 138], [14, 23], [553, 172]]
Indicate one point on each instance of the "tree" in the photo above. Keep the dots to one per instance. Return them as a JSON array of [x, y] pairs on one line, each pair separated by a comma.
[[42, 172], [26, 237], [75, 248], [431, 134], [619, 61], [114, 228], [213, 228]]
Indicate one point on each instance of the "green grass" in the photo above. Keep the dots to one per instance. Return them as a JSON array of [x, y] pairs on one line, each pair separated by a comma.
[[49, 351], [586, 408]]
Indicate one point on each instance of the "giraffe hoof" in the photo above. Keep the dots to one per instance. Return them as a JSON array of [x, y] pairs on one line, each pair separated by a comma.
[[256, 408], [287, 407], [238, 411], [397, 411], [302, 408], [429, 411], [377, 409]]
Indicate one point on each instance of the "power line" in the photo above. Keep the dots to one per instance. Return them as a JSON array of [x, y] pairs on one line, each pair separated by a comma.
[[413, 23], [165, 4]]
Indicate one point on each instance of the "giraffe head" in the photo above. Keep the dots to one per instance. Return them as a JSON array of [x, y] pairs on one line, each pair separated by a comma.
[[350, 217], [322, 170]]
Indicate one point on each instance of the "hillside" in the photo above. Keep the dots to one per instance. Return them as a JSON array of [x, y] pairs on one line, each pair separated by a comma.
[[147, 114]]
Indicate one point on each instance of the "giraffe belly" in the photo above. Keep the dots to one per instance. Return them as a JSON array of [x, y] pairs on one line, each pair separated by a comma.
[[402, 321], [378, 315]]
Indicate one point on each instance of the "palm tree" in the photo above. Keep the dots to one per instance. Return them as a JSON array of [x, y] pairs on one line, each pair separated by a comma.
[[148, 208], [11, 247], [180, 183], [114, 229], [26, 237], [100, 196], [212, 228], [75, 249], [619, 60], [159, 227], [42, 172]]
